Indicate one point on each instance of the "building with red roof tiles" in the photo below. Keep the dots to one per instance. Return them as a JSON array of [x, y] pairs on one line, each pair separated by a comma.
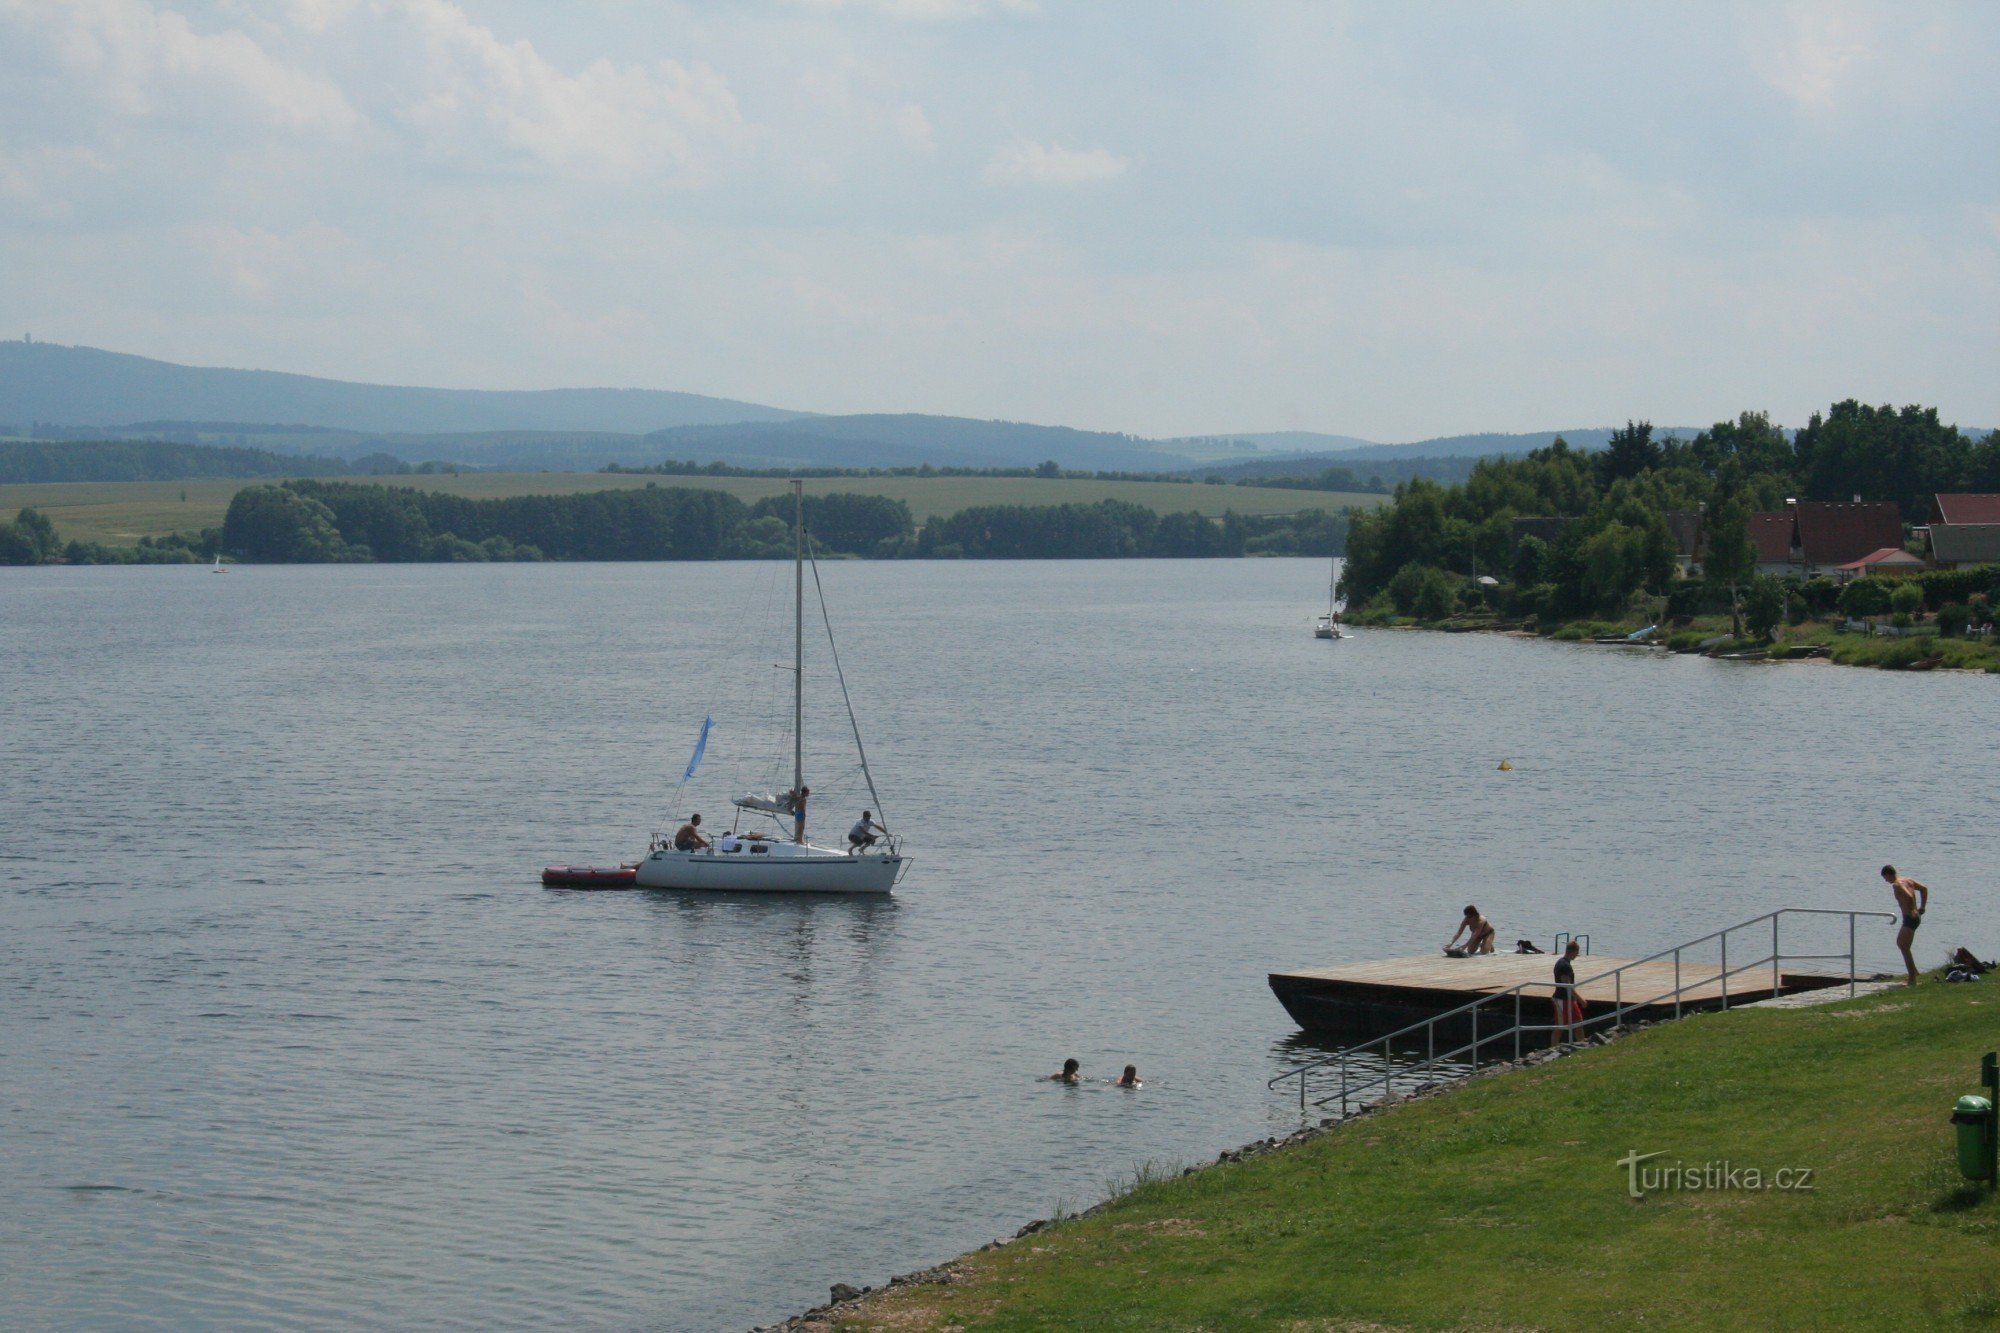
[[1812, 537], [1888, 560], [1776, 538], [1834, 533], [1965, 530], [1965, 508]]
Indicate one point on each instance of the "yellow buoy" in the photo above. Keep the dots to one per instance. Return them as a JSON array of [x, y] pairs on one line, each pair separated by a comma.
[[1506, 766]]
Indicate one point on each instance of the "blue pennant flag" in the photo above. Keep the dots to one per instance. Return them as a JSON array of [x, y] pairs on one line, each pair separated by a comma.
[[700, 748]]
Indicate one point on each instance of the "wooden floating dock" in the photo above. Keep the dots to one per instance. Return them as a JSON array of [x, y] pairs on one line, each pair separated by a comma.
[[1358, 1002]]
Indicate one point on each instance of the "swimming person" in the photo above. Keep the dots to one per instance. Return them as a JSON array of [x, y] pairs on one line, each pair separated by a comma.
[[1569, 1005], [1908, 891], [688, 838], [1128, 1079], [1071, 1074], [1478, 932], [862, 835]]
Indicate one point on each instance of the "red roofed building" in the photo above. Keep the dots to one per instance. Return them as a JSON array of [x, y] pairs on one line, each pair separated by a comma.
[[1965, 530], [1776, 538], [1812, 537], [1833, 533], [1888, 560], [1965, 509]]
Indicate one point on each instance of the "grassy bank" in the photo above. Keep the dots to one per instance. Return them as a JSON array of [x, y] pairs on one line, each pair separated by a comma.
[[1503, 1204], [119, 513]]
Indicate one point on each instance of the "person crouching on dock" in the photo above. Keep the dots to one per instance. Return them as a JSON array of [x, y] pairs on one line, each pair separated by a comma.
[[1478, 932]]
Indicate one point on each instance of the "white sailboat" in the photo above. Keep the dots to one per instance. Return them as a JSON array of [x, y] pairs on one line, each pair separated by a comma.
[[782, 864], [217, 568], [1328, 625]]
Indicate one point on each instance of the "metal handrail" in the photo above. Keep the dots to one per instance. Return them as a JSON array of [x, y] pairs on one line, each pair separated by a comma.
[[1620, 1007]]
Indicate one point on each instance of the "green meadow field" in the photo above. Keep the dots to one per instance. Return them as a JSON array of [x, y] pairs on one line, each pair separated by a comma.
[[118, 513]]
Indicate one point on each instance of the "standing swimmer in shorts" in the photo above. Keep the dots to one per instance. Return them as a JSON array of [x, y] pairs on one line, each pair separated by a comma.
[[1569, 1005], [1913, 899]]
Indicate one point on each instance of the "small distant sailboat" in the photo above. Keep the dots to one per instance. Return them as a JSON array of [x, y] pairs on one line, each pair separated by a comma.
[[1328, 625], [217, 568]]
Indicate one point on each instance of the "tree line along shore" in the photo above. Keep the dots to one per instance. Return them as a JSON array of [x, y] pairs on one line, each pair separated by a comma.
[[1700, 539], [331, 521]]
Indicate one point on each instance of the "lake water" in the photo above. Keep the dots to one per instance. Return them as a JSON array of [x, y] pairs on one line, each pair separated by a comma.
[[293, 1036]]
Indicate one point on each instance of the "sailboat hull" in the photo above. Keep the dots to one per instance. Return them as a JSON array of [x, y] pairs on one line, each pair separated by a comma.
[[780, 867]]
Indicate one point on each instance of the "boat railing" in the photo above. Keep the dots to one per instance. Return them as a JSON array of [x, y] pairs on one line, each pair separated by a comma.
[[1383, 1071]]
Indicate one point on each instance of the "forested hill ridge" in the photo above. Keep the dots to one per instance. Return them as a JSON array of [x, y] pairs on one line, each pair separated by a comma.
[[85, 386], [911, 439], [309, 521], [1609, 546], [42, 461]]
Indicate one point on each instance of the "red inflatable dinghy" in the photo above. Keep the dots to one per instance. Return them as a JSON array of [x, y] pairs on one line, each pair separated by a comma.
[[591, 877]]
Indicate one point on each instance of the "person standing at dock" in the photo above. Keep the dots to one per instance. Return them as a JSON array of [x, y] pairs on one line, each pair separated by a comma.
[[1913, 899], [1569, 1005]]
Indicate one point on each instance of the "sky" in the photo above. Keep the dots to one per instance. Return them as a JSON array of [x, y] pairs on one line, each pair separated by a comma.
[[1392, 221]]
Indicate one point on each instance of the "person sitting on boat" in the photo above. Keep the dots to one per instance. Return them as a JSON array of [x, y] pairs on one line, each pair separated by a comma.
[[1072, 1074], [1128, 1079], [1478, 932], [688, 837], [730, 843], [862, 836]]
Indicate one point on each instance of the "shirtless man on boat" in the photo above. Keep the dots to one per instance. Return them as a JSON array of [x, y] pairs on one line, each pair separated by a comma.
[[1913, 899], [688, 837]]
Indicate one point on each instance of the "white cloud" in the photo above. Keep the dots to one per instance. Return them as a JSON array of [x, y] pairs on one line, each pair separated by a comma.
[[1030, 163], [1820, 50], [925, 11], [612, 121], [145, 60]]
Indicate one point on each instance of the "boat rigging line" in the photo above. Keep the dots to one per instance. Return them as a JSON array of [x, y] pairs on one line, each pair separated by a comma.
[[841, 676]]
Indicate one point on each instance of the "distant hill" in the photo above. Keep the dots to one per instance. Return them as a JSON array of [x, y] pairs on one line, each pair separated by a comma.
[[37, 461], [50, 391], [879, 440], [1361, 471], [83, 386]]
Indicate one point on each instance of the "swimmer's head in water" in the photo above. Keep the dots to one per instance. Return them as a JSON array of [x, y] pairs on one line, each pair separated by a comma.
[[1071, 1066], [1131, 1073]]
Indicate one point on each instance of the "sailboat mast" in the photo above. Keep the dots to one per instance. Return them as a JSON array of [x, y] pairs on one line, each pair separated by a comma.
[[798, 634]]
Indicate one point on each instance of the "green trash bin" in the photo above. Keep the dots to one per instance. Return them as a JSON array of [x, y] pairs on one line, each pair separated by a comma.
[[1974, 1118]]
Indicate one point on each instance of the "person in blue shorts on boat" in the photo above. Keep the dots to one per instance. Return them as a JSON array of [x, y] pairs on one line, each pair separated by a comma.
[[688, 837], [799, 814]]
